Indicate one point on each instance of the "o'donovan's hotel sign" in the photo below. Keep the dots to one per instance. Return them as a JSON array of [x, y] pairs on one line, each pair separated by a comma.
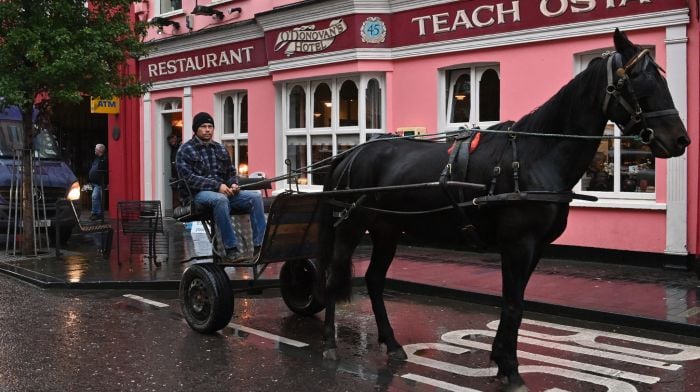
[[307, 39]]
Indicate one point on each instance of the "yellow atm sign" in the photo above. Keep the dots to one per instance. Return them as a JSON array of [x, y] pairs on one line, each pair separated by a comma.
[[106, 106]]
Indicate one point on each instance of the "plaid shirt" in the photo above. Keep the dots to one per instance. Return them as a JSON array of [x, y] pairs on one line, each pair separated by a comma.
[[204, 166]]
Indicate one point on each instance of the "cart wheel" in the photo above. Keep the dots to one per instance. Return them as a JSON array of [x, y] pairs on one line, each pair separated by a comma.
[[297, 279], [207, 299]]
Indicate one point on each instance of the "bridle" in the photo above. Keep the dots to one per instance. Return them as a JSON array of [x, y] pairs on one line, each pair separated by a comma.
[[614, 95]]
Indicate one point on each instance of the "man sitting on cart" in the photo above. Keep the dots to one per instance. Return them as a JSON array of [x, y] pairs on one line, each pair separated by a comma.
[[206, 167]]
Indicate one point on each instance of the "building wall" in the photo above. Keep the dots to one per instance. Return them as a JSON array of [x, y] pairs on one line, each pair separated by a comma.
[[533, 66]]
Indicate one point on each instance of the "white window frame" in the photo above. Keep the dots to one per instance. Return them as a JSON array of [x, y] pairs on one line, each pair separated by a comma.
[[581, 62], [335, 130], [475, 72], [159, 12], [237, 137]]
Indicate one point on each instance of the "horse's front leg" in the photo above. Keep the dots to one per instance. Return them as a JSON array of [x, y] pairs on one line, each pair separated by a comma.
[[339, 279], [329, 344], [383, 250], [518, 260]]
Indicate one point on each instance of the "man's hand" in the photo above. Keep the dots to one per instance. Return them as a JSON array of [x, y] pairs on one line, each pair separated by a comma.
[[229, 191]]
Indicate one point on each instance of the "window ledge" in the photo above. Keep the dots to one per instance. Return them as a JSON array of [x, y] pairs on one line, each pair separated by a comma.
[[172, 13], [624, 204], [219, 2]]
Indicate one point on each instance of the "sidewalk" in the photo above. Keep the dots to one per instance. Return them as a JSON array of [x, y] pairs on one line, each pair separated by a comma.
[[652, 298]]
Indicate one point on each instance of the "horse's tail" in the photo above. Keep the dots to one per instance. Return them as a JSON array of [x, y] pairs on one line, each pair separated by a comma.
[[337, 276]]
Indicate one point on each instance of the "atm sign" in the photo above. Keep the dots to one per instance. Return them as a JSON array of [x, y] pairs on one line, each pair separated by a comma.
[[106, 106]]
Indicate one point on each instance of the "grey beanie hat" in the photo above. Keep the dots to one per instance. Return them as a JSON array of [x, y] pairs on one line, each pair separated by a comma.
[[201, 118]]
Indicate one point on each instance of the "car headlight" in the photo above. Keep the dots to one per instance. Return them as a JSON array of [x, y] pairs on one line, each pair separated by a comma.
[[74, 192]]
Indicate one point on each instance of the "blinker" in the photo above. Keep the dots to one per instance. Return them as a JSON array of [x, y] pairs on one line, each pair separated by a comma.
[[646, 135]]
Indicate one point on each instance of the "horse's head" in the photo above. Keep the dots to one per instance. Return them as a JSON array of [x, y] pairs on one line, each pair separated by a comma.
[[639, 102]]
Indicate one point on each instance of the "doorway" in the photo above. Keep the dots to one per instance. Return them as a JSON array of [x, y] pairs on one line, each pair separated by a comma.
[[78, 131], [171, 127]]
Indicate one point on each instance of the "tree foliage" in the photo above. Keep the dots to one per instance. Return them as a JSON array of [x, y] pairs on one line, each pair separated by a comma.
[[60, 50], [57, 51]]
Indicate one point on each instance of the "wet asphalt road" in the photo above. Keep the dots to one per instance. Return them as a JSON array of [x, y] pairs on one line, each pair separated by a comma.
[[104, 341]]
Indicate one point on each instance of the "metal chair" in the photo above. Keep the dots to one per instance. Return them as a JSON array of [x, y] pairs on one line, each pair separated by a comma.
[[142, 218]]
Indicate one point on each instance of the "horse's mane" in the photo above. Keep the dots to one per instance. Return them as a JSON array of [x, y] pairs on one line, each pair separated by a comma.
[[553, 116]]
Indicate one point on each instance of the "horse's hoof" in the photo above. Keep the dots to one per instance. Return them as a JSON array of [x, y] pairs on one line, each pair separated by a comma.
[[397, 355], [515, 388], [330, 354], [508, 386]]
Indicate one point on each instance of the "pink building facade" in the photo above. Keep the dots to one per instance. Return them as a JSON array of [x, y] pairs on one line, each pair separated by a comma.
[[302, 80]]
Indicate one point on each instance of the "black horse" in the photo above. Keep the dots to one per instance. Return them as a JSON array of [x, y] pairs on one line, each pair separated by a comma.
[[625, 87]]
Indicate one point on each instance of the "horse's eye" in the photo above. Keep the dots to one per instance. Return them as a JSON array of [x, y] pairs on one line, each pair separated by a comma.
[[644, 84]]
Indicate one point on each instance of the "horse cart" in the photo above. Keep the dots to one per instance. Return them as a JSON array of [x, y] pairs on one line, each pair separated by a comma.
[[291, 237]]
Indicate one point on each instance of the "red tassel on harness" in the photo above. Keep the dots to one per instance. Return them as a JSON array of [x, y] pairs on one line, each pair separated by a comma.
[[472, 145], [475, 142]]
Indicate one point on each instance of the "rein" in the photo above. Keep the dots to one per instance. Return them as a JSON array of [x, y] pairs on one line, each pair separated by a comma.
[[481, 201]]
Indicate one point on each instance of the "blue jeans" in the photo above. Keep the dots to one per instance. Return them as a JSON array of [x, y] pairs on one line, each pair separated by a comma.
[[221, 205], [96, 199]]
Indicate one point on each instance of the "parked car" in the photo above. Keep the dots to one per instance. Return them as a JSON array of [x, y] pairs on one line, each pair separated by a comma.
[[53, 175]]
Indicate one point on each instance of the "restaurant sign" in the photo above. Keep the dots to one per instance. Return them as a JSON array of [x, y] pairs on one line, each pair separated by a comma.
[[221, 58]]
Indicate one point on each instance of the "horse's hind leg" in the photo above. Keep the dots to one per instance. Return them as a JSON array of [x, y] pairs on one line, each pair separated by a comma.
[[339, 279], [518, 260], [384, 241]]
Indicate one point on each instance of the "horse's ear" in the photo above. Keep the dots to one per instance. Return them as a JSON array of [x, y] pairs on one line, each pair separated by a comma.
[[623, 45]]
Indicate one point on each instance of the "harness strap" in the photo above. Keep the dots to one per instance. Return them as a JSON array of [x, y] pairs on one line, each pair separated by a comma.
[[516, 164], [463, 139], [564, 197], [345, 214], [494, 179]]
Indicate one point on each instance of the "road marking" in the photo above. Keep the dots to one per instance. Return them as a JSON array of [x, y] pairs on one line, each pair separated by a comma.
[[413, 356], [234, 326], [146, 301], [267, 335], [587, 337], [438, 384], [462, 338]]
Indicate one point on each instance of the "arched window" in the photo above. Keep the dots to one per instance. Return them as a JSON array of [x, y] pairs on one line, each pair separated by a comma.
[[333, 124], [489, 96], [229, 114], [373, 105], [461, 99], [621, 169], [244, 113], [347, 110], [234, 108], [473, 96], [297, 108], [323, 103]]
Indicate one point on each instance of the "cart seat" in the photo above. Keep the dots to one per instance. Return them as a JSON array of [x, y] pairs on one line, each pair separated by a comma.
[[185, 214]]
